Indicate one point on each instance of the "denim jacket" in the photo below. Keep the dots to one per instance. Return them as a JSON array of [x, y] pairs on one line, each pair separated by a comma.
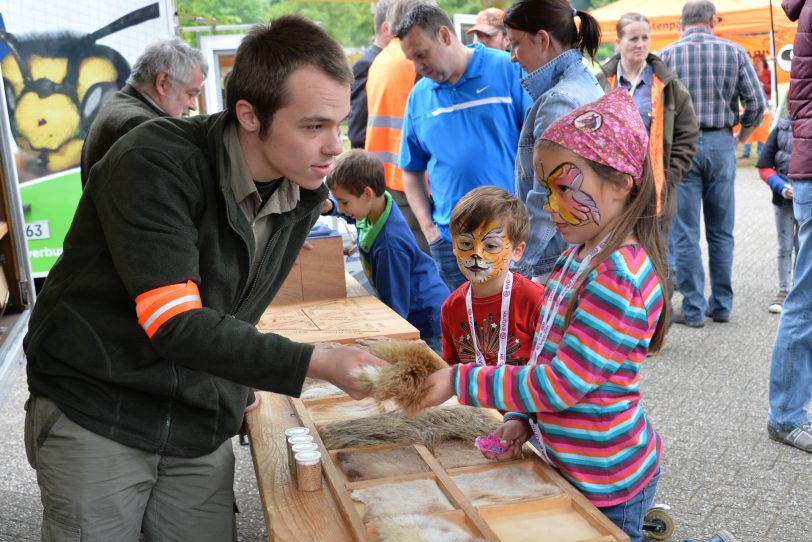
[[556, 88]]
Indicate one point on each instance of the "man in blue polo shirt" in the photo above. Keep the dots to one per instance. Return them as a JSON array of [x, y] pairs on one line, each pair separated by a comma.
[[461, 125]]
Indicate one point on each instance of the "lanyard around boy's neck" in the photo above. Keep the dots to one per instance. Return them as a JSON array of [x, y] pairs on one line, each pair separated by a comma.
[[557, 297], [507, 287]]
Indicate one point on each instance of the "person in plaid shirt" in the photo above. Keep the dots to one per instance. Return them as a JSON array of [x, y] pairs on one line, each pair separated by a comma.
[[719, 75]]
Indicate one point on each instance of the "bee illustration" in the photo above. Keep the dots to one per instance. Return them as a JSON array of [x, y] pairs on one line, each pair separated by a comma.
[[55, 84]]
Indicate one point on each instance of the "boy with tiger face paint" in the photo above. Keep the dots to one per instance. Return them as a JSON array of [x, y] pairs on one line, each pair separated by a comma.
[[491, 319], [484, 253]]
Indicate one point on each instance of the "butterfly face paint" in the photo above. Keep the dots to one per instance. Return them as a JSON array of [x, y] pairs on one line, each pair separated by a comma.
[[483, 253], [565, 197]]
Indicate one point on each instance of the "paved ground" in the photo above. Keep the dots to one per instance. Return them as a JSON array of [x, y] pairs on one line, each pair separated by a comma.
[[706, 392]]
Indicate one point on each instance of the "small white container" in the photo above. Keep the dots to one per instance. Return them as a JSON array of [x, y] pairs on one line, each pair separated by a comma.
[[304, 447], [292, 441], [308, 471], [296, 432]]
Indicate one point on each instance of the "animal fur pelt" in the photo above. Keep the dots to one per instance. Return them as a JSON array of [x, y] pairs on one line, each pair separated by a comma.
[[430, 427], [404, 380], [408, 497], [314, 389], [502, 485], [414, 528]]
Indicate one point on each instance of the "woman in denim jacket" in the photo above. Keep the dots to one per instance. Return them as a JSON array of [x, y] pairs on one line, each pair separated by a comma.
[[549, 47]]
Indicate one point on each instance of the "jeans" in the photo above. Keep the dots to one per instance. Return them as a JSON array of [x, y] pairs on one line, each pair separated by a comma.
[[791, 369], [629, 515], [748, 146], [786, 227], [708, 186], [436, 344], [443, 253]]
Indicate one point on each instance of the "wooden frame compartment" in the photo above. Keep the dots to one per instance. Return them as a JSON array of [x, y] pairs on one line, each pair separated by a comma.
[[529, 481], [456, 519], [556, 517], [566, 512], [404, 460]]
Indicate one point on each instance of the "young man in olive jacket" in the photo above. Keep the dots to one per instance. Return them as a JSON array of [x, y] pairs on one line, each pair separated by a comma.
[[142, 347]]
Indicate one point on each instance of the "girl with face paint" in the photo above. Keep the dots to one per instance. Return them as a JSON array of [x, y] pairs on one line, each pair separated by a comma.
[[579, 398], [490, 320]]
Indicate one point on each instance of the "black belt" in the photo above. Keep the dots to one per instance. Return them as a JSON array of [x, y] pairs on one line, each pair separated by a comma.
[[726, 128]]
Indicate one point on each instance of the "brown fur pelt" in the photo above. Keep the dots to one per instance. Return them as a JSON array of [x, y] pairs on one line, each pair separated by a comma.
[[430, 427], [414, 528], [404, 380], [381, 463]]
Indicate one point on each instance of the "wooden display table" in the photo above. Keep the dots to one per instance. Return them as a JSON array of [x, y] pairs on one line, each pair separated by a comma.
[[290, 514], [332, 514]]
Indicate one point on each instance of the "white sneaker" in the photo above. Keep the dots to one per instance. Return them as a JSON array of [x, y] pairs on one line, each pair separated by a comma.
[[778, 303]]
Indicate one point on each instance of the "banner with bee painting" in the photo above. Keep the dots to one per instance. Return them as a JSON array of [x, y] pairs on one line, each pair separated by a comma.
[[60, 62]]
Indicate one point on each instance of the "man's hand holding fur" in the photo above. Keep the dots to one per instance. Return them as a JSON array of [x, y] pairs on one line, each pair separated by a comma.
[[339, 365]]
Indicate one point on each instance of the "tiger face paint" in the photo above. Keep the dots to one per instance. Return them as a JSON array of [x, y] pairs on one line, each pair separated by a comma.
[[483, 253]]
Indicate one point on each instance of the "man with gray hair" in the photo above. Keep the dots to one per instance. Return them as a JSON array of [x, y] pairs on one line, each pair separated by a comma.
[[718, 73], [165, 81]]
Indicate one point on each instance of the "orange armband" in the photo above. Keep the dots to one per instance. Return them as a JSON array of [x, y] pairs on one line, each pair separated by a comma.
[[156, 307]]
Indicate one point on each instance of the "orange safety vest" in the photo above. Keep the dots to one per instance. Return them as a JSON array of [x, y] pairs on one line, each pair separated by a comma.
[[391, 79], [656, 137]]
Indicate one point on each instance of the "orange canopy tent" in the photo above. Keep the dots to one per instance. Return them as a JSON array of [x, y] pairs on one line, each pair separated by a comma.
[[760, 26]]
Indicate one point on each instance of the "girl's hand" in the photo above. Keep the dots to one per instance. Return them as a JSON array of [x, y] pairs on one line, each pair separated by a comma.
[[514, 434], [439, 388]]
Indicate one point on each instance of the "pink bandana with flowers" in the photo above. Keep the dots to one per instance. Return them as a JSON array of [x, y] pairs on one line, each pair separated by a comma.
[[608, 131]]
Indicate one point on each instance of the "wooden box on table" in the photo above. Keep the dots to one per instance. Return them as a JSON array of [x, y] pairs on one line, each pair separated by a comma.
[[317, 274]]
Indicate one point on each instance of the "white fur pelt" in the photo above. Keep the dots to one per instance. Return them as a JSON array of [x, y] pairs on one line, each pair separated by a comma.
[[414, 528], [407, 497], [431, 426], [404, 380], [314, 389], [502, 485]]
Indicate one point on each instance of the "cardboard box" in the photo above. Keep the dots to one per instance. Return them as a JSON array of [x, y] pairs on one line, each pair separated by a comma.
[[317, 274]]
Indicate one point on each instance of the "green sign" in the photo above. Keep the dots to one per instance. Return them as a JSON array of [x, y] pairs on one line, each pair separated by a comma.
[[48, 207]]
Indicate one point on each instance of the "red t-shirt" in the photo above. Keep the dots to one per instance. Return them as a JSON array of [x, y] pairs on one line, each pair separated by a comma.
[[525, 307]]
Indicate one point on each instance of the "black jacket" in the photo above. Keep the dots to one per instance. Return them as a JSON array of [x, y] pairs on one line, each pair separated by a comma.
[[776, 155], [124, 111], [159, 210]]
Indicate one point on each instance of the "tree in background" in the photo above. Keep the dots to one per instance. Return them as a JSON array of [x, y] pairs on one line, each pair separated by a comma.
[[226, 12], [350, 23]]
